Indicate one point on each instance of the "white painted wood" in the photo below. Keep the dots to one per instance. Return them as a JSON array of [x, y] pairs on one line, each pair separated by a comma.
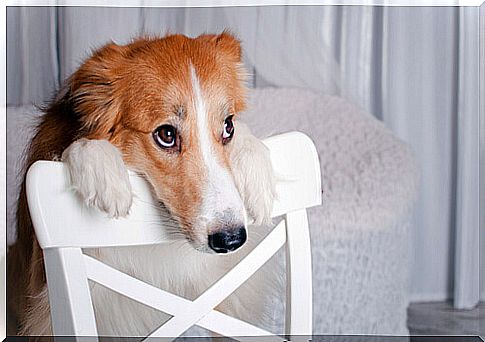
[[71, 307], [174, 305], [229, 326], [226, 285], [50, 199], [61, 219], [298, 275], [63, 225], [165, 301], [295, 162]]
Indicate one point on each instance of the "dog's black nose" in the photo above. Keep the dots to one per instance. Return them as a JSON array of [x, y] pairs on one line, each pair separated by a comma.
[[228, 240]]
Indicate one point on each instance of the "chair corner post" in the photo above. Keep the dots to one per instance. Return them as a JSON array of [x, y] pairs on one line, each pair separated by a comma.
[[299, 295]]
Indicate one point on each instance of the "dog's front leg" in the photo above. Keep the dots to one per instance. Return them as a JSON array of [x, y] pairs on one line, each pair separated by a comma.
[[99, 175], [253, 174]]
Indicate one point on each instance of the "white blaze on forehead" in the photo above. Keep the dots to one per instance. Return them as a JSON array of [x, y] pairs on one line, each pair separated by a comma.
[[220, 194]]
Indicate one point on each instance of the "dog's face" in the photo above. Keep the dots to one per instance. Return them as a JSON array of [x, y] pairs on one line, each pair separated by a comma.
[[169, 105]]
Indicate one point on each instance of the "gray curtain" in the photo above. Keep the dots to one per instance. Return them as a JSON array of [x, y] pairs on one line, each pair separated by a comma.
[[482, 152], [415, 68]]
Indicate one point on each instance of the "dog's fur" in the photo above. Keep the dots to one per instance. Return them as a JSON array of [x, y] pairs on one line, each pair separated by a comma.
[[101, 123]]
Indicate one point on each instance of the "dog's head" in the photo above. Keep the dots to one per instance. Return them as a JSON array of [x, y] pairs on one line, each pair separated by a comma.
[[169, 105]]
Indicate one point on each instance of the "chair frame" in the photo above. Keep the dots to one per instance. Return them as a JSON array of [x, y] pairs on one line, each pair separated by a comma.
[[53, 207]]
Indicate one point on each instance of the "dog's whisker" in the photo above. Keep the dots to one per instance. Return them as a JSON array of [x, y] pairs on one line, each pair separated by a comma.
[[173, 229]]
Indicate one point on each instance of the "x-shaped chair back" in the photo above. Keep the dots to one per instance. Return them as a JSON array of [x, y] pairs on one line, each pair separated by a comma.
[[64, 225]]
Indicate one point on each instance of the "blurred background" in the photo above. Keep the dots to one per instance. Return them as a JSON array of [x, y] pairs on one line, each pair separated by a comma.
[[416, 69]]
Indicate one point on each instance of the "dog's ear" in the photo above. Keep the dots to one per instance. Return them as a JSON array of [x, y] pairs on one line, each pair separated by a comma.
[[230, 47], [92, 91], [226, 42]]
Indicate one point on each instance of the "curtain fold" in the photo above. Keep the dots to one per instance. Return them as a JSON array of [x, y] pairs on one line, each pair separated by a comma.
[[82, 29], [289, 47], [419, 104], [482, 152], [32, 66], [467, 252]]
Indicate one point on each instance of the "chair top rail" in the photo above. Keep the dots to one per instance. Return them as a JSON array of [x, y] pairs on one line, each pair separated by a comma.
[[62, 219]]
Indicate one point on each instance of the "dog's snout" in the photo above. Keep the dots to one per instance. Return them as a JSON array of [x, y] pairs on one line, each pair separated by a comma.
[[227, 240]]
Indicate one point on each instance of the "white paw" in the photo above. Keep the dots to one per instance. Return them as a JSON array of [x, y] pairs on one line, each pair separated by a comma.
[[99, 176], [253, 174]]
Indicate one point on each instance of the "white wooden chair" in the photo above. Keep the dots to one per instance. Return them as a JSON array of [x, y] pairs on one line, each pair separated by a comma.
[[63, 226]]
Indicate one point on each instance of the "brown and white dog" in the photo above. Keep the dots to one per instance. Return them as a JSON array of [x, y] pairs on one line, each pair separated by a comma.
[[167, 109]]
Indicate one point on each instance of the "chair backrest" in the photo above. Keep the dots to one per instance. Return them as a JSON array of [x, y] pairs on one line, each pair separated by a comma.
[[64, 225]]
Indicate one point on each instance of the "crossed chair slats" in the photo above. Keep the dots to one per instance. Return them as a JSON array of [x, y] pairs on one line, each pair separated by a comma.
[[53, 208]]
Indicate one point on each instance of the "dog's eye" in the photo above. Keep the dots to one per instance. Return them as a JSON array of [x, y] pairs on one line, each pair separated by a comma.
[[228, 131], [165, 136]]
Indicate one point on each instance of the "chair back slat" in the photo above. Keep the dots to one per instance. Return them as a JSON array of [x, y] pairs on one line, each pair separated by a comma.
[[61, 219]]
